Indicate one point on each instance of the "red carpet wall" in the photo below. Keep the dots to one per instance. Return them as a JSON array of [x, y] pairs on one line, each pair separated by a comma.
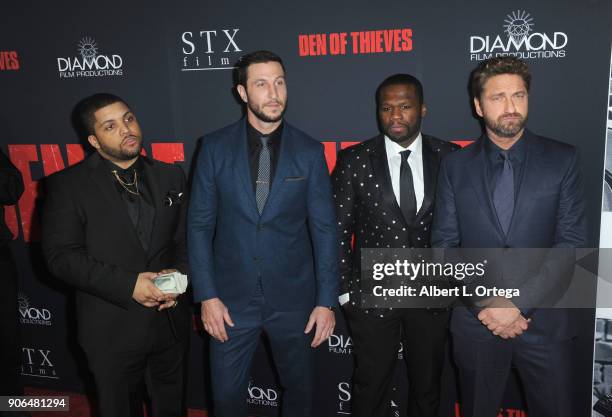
[[172, 62]]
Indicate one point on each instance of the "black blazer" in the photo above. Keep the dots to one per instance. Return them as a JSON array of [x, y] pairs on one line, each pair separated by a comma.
[[367, 208], [89, 242], [549, 213]]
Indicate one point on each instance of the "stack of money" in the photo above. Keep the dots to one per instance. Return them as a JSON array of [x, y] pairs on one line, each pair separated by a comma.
[[173, 283]]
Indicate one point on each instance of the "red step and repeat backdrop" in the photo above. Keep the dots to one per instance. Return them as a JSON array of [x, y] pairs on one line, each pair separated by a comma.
[[172, 62]]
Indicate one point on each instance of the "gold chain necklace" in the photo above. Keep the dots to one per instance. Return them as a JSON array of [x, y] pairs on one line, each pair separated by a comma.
[[125, 185]]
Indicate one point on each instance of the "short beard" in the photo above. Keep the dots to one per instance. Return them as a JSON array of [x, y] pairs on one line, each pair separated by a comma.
[[264, 117], [120, 154], [508, 130]]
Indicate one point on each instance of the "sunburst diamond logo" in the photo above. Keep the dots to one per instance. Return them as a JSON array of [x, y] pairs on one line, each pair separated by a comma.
[[23, 301], [88, 48], [518, 24]]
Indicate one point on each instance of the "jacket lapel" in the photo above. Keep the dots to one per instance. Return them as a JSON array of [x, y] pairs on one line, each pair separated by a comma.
[[430, 173], [242, 167], [528, 181], [380, 168], [153, 181], [284, 159], [477, 172]]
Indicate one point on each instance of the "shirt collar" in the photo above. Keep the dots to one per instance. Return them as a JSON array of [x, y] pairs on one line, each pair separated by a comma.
[[415, 147], [516, 152], [254, 135]]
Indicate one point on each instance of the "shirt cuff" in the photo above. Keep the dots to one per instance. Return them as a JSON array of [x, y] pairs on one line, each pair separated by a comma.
[[343, 299]]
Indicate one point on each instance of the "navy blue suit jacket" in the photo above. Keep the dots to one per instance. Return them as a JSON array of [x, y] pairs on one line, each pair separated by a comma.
[[292, 245], [549, 213]]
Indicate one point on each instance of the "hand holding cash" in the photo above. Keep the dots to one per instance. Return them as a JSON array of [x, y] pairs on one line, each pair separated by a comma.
[[171, 283]]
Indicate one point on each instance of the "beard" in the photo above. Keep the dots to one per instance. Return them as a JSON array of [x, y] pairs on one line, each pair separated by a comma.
[[121, 154], [411, 131], [261, 115], [506, 128]]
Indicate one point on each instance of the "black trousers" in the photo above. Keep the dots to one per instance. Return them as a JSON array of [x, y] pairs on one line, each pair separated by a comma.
[[10, 358], [544, 371], [121, 377], [376, 341]]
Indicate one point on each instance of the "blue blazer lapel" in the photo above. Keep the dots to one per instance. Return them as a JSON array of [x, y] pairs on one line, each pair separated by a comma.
[[477, 172], [242, 167], [284, 160]]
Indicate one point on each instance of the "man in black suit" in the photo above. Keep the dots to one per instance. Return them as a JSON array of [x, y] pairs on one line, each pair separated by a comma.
[[384, 192], [111, 224], [11, 188], [512, 189]]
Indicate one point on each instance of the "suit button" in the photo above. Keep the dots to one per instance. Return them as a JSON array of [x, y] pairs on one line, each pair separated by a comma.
[[255, 258], [260, 227]]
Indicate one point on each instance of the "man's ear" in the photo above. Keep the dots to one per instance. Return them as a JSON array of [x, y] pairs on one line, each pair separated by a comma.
[[242, 91], [477, 106], [93, 141]]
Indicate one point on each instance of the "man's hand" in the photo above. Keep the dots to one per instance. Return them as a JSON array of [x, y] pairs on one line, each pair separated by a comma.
[[496, 318], [146, 293], [170, 302], [325, 321], [214, 315], [515, 329]]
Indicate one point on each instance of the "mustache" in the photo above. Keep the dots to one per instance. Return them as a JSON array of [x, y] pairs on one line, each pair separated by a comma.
[[511, 115]]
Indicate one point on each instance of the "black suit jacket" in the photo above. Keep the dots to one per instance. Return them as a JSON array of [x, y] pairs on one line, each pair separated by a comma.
[[549, 213], [89, 242], [367, 208]]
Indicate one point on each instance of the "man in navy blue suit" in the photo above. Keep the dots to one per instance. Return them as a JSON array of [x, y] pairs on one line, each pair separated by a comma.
[[512, 189], [263, 243]]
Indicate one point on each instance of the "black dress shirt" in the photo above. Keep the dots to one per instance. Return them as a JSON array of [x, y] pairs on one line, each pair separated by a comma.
[[254, 143], [140, 207]]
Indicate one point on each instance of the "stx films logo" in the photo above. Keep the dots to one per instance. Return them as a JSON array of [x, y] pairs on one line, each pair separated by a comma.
[[262, 396], [344, 398], [9, 61], [91, 62], [519, 39], [210, 49], [32, 315], [37, 363]]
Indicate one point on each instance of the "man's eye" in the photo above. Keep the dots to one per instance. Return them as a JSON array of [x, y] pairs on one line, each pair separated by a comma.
[[406, 107], [109, 127]]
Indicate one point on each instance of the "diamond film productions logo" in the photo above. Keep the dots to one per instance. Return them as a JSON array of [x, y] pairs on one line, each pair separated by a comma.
[[32, 315], [207, 50], [37, 363], [520, 40], [340, 344], [91, 63], [262, 396]]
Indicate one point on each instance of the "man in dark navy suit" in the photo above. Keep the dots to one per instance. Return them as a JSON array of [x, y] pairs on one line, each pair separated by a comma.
[[512, 189], [262, 243]]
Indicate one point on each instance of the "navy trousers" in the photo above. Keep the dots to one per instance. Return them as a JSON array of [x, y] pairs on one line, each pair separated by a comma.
[[293, 356]]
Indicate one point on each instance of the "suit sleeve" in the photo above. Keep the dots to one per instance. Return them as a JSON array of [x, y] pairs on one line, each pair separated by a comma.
[[445, 231], [321, 223], [201, 223], [65, 249], [11, 182], [344, 196], [555, 275]]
